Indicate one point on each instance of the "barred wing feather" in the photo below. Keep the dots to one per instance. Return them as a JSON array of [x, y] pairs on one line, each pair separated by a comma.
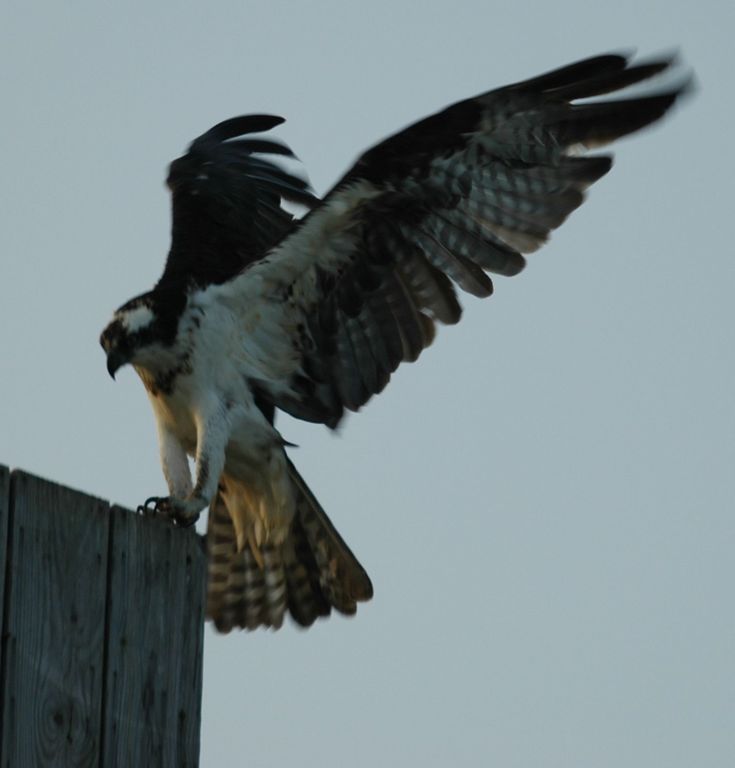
[[359, 286]]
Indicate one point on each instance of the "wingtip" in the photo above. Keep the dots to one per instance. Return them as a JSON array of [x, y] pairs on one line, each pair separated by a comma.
[[238, 126], [670, 62]]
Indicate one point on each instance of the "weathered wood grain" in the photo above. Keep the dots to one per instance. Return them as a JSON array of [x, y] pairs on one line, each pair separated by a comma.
[[54, 628], [101, 655], [156, 602], [4, 512]]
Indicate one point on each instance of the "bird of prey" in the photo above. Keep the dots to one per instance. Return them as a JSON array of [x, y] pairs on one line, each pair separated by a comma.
[[258, 311]]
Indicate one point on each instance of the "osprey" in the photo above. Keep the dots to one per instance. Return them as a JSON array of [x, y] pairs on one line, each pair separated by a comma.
[[257, 310]]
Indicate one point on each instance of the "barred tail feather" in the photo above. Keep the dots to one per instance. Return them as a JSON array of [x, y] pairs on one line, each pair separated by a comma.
[[241, 591], [342, 580], [312, 572]]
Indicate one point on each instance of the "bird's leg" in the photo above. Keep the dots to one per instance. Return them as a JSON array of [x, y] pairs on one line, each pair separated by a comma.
[[174, 462], [213, 432], [175, 467]]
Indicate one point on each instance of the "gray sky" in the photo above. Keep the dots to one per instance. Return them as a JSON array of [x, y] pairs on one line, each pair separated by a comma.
[[544, 501]]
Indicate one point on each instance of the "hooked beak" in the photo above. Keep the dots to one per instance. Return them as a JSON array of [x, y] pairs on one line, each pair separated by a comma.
[[114, 361]]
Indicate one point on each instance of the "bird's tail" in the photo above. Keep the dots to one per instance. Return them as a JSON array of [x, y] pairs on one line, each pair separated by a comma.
[[312, 572]]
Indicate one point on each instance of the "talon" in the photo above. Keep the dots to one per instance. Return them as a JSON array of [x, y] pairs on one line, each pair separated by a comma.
[[145, 508], [155, 505], [184, 521], [171, 509]]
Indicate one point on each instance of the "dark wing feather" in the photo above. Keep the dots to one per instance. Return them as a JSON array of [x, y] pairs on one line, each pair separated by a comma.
[[440, 204], [227, 202]]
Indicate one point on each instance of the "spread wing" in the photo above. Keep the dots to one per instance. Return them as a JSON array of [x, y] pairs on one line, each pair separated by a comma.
[[226, 202], [359, 286]]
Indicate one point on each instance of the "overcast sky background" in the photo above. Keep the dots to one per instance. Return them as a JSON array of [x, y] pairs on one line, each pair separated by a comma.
[[544, 502]]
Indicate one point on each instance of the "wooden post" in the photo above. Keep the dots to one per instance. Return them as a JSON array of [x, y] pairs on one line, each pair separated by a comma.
[[102, 632]]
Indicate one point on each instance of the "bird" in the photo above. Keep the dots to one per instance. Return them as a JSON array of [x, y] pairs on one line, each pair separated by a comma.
[[260, 310]]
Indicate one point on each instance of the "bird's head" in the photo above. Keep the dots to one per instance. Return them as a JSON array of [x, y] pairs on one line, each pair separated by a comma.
[[137, 334]]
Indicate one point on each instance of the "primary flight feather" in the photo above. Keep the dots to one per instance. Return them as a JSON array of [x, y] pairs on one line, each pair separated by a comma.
[[258, 311]]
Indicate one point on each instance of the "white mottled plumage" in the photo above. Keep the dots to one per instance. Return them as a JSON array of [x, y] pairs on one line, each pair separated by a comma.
[[212, 416], [137, 318], [256, 312]]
